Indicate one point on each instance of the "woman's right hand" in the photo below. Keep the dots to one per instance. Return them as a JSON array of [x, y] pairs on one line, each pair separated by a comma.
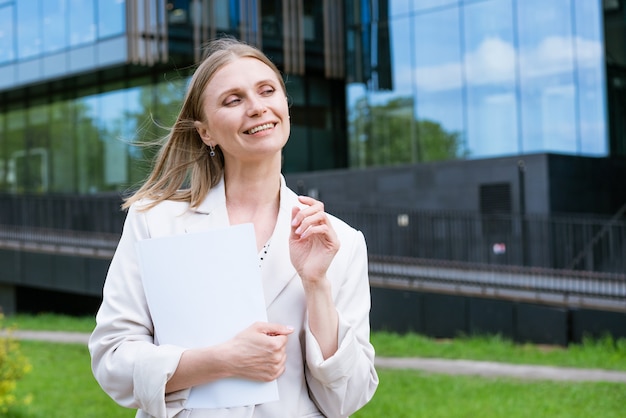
[[259, 352]]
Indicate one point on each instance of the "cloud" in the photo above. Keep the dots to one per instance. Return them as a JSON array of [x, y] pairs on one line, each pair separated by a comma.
[[494, 61]]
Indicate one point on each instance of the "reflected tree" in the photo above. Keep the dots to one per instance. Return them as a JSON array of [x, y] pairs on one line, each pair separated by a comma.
[[389, 134]]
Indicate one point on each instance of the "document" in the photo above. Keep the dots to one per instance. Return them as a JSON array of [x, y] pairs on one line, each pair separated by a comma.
[[202, 289]]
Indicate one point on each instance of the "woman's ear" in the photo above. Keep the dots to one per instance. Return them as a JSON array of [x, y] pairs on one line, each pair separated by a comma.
[[202, 131]]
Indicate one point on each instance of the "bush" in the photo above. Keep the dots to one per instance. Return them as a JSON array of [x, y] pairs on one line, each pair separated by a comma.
[[13, 366]]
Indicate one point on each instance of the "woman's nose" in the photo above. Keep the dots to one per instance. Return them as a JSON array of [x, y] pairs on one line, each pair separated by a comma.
[[257, 108]]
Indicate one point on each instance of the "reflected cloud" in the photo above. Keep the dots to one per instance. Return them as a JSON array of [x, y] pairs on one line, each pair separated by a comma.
[[493, 62]]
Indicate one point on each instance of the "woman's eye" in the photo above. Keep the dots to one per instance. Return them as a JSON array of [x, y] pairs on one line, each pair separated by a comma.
[[231, 101], [267, 91]]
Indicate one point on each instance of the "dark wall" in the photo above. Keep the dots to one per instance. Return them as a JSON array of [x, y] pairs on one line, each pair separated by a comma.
[[550, 184], [586, 185], [449, 316]]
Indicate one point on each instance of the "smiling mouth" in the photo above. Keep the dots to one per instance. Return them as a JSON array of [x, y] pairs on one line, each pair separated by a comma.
[[260, 128]]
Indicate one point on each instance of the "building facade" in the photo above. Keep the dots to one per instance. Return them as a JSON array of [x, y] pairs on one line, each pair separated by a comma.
[[457, 101], [448, 79], [470, 124], [83, 83]]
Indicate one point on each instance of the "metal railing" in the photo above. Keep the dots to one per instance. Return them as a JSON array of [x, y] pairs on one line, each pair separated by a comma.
[[582, 243]]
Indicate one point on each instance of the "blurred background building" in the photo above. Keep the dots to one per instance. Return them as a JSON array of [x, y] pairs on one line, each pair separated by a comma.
[[485, 132]]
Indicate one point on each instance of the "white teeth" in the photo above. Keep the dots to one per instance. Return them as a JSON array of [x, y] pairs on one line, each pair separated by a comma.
[[261, 128]]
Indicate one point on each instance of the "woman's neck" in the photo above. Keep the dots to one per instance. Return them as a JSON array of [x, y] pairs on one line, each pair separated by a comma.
[[253, 196]]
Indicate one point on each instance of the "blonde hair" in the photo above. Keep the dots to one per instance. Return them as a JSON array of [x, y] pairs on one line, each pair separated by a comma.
[[183, 156]]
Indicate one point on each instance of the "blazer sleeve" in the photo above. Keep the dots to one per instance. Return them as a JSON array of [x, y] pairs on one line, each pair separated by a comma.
[[122, 347], [343, 383]]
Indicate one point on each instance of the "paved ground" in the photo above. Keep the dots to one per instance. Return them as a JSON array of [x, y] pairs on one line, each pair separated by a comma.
[[455, 367]]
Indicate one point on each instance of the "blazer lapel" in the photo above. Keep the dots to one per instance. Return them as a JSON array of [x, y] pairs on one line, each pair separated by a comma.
[[211, 213], [277, 268]]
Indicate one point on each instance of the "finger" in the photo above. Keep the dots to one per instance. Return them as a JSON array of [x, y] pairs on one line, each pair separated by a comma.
[[312, 205], [307, 200], [313, 220], [276, 329]]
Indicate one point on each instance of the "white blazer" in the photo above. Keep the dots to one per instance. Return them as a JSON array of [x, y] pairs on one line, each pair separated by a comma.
[[133, 370]]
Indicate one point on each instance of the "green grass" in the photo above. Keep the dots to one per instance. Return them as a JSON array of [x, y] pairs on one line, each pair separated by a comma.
[[51, 322], [62, 384], [414, 394]]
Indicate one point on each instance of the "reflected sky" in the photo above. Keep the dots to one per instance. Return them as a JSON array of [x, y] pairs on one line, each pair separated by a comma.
[[511, 76]]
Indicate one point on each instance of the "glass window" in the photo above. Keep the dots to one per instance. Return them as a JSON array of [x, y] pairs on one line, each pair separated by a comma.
[[548, 92], [7, 50], [438, 81], [400, 7], [490, 59], [271, 22], [430, 4], [112, 127], [89, 148], [111, 18], [62, 146], [591, 82], [3, 156], [81, 18], [14, 149], [54, 25], [385, 125], [29, 42], [36, 158]]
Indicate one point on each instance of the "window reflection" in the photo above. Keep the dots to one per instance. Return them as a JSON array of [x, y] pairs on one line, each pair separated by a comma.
[[62, 146], [3, 157], [111, 18], [590, 78], [495, 77], [547, 76], [438, 69], [32, 163], [54, 25], [490, 60], [29, 40], [88, 145], [7, 51], [81, 19], [111, 124], [14, 147]]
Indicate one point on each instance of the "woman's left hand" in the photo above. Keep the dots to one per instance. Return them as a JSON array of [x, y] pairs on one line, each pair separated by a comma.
[[313, 242]]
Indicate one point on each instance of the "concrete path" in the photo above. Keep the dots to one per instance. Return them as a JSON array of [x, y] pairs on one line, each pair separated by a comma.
[[445, 366], [493, 369]]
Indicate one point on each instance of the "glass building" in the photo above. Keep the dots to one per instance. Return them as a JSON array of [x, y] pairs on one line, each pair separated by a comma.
[[83, 83], [446, 79]]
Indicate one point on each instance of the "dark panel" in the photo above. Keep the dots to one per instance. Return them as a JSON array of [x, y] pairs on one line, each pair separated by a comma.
[[69, 273], [395, 310], [491, 317], [96, 274], [30, 300], [444, 315], [37, 268], [10, 272], [592, 323], [7, 299], [541, 324]]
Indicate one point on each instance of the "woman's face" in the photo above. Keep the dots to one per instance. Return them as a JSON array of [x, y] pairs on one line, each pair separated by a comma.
[[246, 111]]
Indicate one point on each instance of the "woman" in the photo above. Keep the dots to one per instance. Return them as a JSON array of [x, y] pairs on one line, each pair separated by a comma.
[[227, 143]]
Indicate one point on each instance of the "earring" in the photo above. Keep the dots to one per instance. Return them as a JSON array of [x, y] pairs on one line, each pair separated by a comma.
[[212, 151]]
